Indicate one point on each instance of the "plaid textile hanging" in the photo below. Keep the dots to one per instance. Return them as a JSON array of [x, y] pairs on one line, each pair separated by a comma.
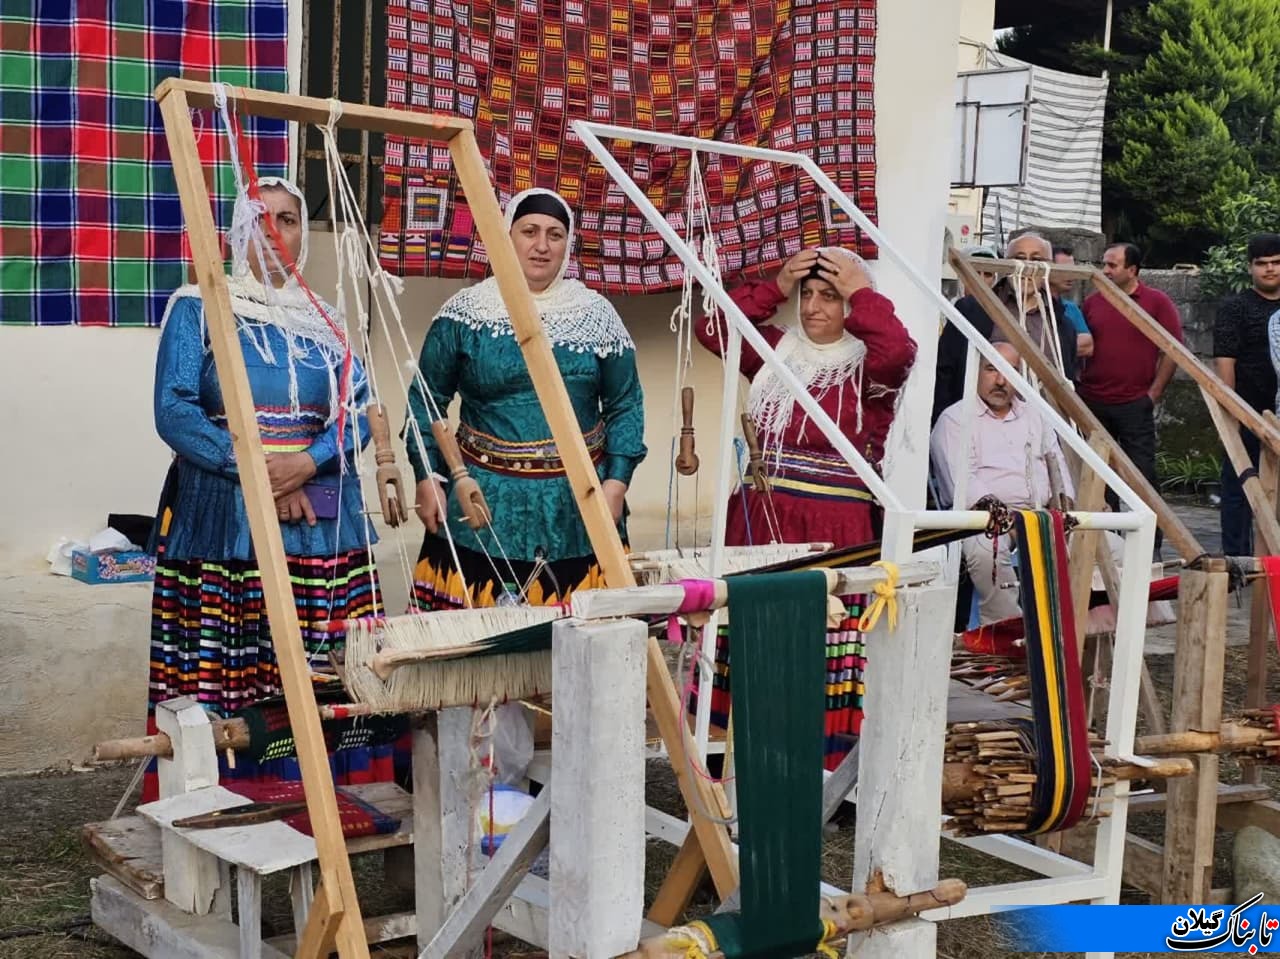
[[91, 230], [787, 74]]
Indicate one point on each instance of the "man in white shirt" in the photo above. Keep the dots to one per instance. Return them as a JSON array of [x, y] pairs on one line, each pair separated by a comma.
[[1010, 454]]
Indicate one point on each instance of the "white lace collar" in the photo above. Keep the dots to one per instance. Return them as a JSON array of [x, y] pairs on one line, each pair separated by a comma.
[[573, 316]]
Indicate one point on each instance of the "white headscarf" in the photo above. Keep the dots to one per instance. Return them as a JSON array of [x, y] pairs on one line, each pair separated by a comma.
[[820, 366], [288, 308], [573, 316]]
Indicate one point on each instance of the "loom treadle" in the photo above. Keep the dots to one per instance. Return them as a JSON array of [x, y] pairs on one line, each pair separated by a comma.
[[128, 848]]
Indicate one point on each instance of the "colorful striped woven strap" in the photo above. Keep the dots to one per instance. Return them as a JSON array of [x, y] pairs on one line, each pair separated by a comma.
[[818, 475], [1060, 731]]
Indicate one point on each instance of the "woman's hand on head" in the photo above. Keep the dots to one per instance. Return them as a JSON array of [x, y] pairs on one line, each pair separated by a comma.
[[794, 270], [289, 471], [431, 504], [847, 275]]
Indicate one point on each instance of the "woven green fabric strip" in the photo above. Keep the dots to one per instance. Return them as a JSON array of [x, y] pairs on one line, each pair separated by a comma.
[[777, 637]]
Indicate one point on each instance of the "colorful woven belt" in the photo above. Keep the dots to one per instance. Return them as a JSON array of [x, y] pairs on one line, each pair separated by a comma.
[[533, 459], [818, 475]]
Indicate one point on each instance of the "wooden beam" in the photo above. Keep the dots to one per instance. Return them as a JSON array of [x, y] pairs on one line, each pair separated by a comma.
[[1208, 381], [1227, 796], [463, 931], [840, 783], [606, 544], [1073, 406], [317, 936], [159, 930], [1146, 324], [305, 110], [1260, 617], [1264, 814], [541, 361], [1191, 810], [1264, 510], [264, 525], [684, 876]]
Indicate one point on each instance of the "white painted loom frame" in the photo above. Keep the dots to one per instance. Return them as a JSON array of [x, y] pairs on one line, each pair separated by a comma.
[[1066, 880]]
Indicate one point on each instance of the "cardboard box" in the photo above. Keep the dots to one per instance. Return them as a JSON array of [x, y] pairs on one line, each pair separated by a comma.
[[126, 566]]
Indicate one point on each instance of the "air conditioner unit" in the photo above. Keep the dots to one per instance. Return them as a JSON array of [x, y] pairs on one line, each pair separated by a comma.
[[962, 234]]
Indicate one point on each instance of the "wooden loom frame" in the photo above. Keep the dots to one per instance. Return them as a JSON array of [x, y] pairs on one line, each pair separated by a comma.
[[899, 852], [335, 916], [1181, 869]]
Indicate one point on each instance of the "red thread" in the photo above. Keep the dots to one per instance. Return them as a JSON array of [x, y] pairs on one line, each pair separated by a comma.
[[255, 193]]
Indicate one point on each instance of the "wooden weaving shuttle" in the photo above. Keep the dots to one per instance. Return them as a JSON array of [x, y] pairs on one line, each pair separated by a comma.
[[247, 815]]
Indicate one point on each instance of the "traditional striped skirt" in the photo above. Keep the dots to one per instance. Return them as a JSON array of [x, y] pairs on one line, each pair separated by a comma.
[[843, 690], [438, 581], [210, 641]]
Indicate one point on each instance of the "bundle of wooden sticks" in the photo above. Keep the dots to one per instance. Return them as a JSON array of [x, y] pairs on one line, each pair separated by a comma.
[[989, 776]]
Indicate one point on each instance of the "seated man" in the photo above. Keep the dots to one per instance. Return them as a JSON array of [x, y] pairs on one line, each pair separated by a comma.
[[1011, 451], [1058, 344]]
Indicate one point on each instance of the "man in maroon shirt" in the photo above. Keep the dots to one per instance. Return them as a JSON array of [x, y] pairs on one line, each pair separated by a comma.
[[1127, 374]]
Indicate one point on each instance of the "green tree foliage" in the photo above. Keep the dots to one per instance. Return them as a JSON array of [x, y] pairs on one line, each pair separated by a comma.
[[1197, 123], [1193, 115], [1257, 211]]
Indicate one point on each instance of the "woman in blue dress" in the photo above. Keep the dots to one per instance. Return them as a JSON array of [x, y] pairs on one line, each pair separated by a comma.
[[210, 639], [536, 549]]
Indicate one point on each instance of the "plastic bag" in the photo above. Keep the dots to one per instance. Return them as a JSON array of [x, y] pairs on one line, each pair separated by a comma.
[[512, 743]]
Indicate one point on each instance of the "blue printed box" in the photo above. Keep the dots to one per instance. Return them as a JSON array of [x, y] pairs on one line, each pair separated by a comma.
[[126, 566]]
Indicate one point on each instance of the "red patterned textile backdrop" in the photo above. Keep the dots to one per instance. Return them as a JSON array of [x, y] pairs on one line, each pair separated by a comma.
[[787, 74]]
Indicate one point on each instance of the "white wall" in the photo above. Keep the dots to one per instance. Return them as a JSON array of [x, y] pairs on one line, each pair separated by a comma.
[[977, 27], [915, 107], [82, 442]]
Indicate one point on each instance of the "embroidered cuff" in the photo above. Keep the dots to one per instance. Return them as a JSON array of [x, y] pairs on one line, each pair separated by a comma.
[[619, 468]]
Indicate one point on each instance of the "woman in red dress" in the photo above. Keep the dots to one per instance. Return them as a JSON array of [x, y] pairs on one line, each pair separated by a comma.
[[854, 355]]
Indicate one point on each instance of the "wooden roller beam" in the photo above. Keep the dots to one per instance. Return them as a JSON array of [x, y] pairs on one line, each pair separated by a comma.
[[849, 914], [227, 734]]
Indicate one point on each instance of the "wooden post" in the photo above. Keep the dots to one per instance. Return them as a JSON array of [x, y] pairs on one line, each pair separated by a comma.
[[897, 835], [264, 525], [1192, 803], [1074, 407], [442, 826], [597, 799], [193, 762], [194, 881]]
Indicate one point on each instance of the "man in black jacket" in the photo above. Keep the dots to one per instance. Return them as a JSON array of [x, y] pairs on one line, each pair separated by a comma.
[[953, 346]]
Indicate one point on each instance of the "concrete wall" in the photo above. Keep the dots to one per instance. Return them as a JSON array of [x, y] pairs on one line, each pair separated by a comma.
[[1196, 309], [75, 656]]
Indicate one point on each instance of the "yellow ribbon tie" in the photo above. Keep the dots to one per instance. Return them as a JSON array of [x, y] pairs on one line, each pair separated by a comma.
[[694, 941], [824, 947], [886, 599]]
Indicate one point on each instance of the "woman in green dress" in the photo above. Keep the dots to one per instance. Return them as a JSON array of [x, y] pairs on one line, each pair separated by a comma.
[[536, 549]]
